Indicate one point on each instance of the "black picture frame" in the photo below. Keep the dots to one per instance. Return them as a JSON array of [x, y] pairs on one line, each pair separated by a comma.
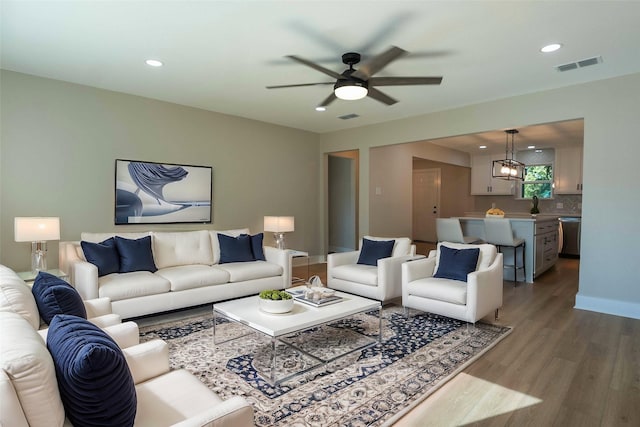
[[162, 193]]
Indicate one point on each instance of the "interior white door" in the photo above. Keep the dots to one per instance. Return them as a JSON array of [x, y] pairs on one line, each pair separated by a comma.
[[426, 203]]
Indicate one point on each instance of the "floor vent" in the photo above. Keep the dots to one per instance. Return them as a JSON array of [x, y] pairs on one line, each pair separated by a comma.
[[348, 116], [580, 64]]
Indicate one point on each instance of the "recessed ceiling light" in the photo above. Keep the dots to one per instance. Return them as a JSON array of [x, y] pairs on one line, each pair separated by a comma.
[[154, 63], [321, 108], [551, 48], [531, 147], [482, 147]]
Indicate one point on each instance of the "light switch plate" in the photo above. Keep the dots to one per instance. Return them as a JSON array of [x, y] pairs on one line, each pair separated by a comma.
[[378, 191]]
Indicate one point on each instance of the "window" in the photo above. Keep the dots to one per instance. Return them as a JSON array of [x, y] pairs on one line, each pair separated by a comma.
[[538, 181]]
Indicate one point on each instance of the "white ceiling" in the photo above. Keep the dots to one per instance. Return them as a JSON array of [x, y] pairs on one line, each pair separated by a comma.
[[220, 55]]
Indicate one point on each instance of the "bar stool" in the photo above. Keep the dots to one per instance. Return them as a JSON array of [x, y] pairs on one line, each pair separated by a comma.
[[498, 232], [450, 230]]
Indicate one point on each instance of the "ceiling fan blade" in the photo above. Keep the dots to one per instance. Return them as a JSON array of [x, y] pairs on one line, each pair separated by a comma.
[[300, 85], [379, 96], [316, 67], [404, 81], [377, 63], [328, 100]]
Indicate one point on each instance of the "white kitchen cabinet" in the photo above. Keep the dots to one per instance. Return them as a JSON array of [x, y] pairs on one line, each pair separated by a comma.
[[546, 250], [482, 183], [568, 170]]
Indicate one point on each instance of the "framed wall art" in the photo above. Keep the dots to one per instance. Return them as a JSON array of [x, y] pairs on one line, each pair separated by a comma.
[[162, 193]]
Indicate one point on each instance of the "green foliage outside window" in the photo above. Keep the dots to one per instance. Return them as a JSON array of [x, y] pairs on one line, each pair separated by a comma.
[[538, 181]]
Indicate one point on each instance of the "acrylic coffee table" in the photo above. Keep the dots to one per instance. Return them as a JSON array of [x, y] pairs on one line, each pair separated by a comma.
[[276, 326]]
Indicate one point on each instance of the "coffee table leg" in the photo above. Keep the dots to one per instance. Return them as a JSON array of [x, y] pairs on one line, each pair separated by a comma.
[[273, 360], [380, 325], [214, 327]]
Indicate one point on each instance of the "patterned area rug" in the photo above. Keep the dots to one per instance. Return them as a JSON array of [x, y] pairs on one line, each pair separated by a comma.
[[371, 387]]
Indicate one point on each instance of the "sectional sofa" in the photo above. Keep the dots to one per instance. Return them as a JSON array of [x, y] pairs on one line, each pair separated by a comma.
[[32, 392], [188, 268]]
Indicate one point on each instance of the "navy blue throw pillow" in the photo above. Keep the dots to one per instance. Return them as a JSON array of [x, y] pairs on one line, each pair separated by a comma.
[[94, 380], [455, 264], [55, 296], [135, 255], [235, 249], [256, 247], [373, 250], [103, 255]]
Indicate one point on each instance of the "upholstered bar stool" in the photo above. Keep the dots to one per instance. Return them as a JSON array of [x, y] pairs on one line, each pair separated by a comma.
[[498, 232], [450, 230]]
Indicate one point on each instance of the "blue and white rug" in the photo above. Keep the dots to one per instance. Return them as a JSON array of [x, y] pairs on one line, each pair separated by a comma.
[[371, 387]]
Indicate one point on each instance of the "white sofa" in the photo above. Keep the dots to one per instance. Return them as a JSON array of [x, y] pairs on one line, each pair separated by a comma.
[[469, 301], [380, 282], [29, 394], [189, 272]]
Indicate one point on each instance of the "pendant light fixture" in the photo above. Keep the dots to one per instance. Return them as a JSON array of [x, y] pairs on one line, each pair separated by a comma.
[[509, 169]]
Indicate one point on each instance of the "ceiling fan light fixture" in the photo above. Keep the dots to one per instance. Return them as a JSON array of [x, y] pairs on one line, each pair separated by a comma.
[[350, 90]]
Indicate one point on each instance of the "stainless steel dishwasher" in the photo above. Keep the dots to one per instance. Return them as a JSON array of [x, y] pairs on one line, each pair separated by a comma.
[[570, 236]]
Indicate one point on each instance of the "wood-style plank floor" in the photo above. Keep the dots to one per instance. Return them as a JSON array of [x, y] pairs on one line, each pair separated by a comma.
[[559, 367]]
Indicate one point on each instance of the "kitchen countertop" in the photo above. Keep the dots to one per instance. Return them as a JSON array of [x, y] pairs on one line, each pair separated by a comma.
[[516, 217]]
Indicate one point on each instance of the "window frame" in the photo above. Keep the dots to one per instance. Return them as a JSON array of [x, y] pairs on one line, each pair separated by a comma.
[[545, 181]]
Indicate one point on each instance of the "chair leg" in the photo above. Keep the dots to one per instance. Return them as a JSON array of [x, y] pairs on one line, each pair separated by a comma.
[[524, 265], [497, 315], [406, 311], [515, 266]]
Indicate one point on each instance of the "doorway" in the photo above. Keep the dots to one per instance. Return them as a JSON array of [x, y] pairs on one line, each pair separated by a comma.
[[342, 201], [425, 203]]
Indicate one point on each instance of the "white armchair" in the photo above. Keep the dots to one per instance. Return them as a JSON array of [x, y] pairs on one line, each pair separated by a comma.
[[469, 301], [380, 282]]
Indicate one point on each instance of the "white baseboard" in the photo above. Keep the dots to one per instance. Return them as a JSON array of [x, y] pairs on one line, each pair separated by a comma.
[[608, 306]]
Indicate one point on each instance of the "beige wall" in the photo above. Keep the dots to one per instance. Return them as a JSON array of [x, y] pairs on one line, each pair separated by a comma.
[[59, 142], [609, 269]]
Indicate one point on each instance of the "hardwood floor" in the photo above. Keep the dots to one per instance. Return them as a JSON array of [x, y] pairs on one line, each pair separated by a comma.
[[559, 367]]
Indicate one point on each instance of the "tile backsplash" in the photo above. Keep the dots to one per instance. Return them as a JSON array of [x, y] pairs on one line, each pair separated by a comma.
[[571, 204]]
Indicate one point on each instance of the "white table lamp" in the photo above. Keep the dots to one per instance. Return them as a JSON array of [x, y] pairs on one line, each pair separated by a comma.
[[37, 231], [279, 225]]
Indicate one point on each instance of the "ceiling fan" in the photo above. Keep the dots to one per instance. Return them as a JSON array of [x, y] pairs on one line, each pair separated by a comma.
[[354, 84]]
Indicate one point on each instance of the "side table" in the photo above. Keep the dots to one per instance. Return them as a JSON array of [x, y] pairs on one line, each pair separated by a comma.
[[293, 253], [30, 276]]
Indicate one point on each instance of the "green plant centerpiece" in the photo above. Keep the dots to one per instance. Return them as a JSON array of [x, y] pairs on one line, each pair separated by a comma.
[[275, 302]]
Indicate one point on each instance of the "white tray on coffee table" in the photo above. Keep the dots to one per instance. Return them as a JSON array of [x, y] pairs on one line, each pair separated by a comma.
[[246, 311]]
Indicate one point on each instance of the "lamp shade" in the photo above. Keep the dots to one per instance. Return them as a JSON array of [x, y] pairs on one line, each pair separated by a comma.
[[35, 229], [279, 224]]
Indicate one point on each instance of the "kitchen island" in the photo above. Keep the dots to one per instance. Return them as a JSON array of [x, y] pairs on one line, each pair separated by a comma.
[[540, 234]]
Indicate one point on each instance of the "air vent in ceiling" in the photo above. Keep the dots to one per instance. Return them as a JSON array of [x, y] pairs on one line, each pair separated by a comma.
[[348, 116], [580, 64]]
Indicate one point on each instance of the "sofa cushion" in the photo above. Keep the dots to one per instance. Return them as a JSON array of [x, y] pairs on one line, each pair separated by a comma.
[[455, 264], [182, 248], [99, 237], [193, 276], [241, 271], [103, 255], [373, 250], [235, 249], [171, 398], [485, 259], [401, 247], [447, 290], [27, 362], [55, 296], [135, 255], [358, 273], [93, 377], [131, 285], [16, 296], [215, 244], [256, 247]]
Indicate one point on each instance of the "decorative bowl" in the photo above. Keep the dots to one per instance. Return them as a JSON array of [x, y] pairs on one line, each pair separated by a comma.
[[276, 306]]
